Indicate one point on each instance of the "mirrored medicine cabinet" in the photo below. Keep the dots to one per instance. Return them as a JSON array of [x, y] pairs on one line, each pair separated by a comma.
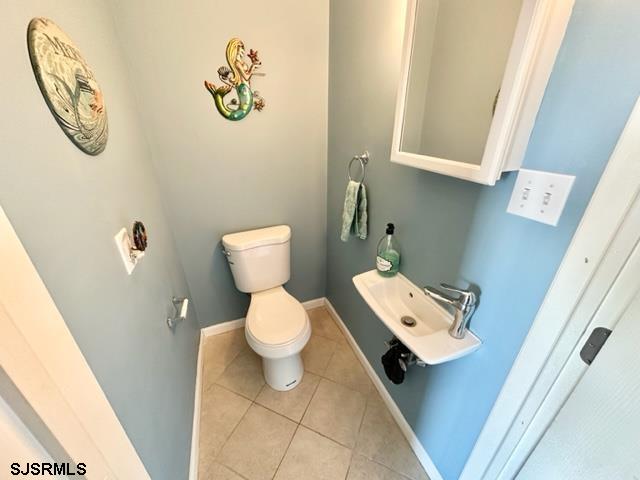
[[472, 79]]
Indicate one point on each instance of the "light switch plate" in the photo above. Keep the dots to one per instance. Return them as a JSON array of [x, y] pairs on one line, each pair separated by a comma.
[[540, 196]]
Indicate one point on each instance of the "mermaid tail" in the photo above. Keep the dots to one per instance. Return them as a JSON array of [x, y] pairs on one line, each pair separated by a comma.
[[245, 100]]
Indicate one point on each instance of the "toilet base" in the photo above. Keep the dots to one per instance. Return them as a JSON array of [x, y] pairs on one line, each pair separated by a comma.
[[283, 374]]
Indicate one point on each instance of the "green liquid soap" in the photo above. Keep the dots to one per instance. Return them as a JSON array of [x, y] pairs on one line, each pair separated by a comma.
[[388, 259]]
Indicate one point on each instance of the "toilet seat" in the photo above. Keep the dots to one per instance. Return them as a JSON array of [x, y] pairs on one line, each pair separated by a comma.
[[277, 324]]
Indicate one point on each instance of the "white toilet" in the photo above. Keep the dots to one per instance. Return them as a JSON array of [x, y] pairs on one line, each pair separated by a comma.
[[277, 326]]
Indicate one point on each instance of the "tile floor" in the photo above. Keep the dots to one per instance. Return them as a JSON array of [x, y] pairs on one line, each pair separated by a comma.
[[333, 426]]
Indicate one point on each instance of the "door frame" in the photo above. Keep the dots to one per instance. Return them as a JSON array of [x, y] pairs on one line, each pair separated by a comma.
[[552, 337], [42, 360], [608, 298]]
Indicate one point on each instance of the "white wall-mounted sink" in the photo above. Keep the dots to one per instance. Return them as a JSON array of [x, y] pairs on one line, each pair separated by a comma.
[[392, 298]]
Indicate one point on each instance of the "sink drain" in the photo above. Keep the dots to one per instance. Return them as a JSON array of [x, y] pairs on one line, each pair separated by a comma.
[[408, 321]]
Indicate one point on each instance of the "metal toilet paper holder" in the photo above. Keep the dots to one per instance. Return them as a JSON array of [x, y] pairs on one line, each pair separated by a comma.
[[180, 305]]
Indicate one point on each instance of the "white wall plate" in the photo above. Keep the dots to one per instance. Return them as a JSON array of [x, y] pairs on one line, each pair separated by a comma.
[[124, 247], [540, 196]]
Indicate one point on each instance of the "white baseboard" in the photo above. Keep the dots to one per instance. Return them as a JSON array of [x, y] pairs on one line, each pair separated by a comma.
[[219, 328], [195, 434], [315, 303], [406, 429]]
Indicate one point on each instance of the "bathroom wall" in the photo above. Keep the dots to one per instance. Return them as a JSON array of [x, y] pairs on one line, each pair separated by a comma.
[[66, 207], [455, 231], [219, 176]]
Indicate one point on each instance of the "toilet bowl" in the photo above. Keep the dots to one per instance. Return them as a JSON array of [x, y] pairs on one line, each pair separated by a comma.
[[277, 329], [277, 326]]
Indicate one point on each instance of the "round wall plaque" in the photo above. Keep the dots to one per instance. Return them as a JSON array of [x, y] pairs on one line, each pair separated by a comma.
[[68, 86]]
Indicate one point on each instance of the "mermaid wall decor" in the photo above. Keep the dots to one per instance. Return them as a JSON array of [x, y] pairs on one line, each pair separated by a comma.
[[237, 76]]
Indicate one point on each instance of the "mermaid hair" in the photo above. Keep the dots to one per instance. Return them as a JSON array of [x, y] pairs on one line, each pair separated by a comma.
[[233, 48]]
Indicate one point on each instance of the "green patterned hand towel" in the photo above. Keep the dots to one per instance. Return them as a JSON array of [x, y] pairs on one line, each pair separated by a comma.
[[354, 212]]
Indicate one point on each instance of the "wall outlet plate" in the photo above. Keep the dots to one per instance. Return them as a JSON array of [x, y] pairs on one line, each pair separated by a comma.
[[123, 242], [540, 196]]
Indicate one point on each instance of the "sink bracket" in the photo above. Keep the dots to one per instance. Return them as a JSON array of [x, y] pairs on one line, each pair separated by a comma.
[[407, 359], [410, 360]]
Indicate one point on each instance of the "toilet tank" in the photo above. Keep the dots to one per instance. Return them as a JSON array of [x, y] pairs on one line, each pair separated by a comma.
[[259, 259]]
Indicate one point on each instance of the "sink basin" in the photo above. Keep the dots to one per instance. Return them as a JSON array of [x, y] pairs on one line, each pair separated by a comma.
[[399, 304]]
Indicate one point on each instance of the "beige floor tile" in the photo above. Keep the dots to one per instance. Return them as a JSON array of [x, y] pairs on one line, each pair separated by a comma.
[[314, 457], [240, 441], [244, 375], [364, 469], [345, 368], [323, 325], [218, 472], [317, 354], [258, 444], [218, 352], [293, 403], [220, 412], [336, 412], [381, 440]]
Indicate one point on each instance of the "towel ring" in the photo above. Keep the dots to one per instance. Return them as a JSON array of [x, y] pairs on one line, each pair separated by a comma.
[[363, 159]]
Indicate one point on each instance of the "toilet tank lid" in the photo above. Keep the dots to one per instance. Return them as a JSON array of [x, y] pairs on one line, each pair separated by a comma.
[[256, 238]]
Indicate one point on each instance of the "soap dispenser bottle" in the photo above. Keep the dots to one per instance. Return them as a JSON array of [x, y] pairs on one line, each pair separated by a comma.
[[388, 259]]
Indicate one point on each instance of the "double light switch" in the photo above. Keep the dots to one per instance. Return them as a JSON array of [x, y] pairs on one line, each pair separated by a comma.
[[540, 196]]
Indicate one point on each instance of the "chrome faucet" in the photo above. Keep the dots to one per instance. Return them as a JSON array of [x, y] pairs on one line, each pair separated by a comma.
[[464, 306]]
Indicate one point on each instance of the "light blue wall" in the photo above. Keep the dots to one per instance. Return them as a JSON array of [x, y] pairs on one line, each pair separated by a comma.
[[67, 206], [455, 231], [219, 176]]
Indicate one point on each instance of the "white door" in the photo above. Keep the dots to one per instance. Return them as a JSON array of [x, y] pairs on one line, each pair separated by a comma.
[[596, 433], [18, 445]]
